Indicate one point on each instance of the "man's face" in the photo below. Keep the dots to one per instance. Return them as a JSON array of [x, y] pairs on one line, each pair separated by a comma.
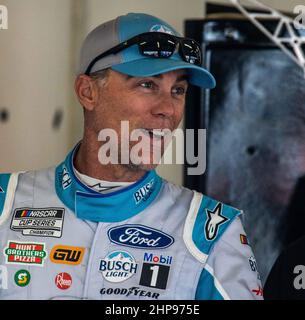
[[150, 103]]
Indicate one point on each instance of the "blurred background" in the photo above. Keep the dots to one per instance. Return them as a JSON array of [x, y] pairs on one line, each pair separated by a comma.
[[256, 150]]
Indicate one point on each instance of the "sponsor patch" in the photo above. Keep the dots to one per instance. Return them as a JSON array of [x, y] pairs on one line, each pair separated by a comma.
[[141, 237], [45, 222], [63, 281], [67, 254], [118, 266], [144, 192], [155, 274], [27, 253], [133, 292], [66, 179], [22, 278], [253, 264], [154, 258], [215, 219], [258, 291], [244, 239]]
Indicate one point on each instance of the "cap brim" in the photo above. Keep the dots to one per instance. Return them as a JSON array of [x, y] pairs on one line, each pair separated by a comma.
[[148, 67]]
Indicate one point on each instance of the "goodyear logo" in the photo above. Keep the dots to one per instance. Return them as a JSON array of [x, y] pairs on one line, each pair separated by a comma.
[[67, 254]]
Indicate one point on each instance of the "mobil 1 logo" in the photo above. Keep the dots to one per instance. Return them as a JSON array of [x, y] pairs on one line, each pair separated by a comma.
[[45, 222], [155, 270]]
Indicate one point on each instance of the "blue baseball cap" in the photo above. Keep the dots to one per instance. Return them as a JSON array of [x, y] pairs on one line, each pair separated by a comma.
[[130, 61]]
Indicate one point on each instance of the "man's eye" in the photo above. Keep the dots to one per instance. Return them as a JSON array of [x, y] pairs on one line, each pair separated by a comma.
[[147, 84], [179, 90]]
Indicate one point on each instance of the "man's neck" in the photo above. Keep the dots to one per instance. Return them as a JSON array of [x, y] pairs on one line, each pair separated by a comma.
[[86, 162]]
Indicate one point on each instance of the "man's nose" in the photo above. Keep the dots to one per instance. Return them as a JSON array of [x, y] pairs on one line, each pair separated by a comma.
[[164, 106]]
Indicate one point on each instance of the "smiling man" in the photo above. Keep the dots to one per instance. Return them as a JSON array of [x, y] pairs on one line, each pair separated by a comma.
[[96, 229]]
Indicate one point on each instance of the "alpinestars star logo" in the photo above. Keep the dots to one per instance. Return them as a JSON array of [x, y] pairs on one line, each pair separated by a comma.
[[215, 219]]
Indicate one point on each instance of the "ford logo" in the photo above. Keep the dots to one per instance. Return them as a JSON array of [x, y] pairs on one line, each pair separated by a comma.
[[138, 236]]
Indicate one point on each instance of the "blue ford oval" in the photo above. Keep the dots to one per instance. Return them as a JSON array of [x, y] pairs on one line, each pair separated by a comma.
[[139, 236]]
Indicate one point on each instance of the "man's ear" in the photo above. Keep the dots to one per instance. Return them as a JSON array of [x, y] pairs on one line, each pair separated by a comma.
[[87, 91]]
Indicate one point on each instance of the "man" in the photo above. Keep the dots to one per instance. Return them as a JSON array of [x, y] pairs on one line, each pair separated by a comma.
[[93, 230]]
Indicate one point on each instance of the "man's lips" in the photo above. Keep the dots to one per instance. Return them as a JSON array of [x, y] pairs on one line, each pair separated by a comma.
[[156, 133]]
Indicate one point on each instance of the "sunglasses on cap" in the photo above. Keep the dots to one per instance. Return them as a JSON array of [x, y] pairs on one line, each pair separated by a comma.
[[157, 45]]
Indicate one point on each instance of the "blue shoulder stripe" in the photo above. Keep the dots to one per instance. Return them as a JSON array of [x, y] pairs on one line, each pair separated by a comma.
[[4, 180], [206, 289], [212, 220]]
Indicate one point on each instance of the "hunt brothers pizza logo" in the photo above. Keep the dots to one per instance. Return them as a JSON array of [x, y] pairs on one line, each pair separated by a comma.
[[25, 253]]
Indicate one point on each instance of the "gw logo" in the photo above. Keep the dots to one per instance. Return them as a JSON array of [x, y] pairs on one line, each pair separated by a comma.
[[3, 18], [67, 255], [299, 21], [3, 277]]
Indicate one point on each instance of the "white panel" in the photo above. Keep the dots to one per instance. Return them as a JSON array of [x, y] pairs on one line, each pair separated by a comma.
[[35, 81]]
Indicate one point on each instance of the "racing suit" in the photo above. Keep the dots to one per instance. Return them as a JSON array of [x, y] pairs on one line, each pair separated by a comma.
[[60, 239]]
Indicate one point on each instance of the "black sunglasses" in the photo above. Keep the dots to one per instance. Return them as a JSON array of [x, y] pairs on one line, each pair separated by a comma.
[[157, 45]]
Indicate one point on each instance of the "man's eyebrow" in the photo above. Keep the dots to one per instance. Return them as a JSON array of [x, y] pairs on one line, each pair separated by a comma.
[[181, 78]]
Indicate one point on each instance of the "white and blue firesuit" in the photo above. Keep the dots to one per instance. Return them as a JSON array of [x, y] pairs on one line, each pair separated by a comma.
[[59, 239]]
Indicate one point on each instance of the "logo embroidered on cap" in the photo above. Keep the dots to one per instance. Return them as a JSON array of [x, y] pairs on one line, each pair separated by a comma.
[[138, 236], [215, 219], [161, 28]]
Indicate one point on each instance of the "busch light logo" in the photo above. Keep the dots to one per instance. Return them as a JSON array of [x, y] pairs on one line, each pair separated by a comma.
[[138, 236], [149, 257], [161, 28], [118, 266], [144, 192]]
